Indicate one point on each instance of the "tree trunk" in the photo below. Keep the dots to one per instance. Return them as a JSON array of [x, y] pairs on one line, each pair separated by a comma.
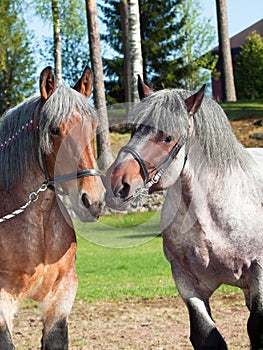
[[135, 47], [126, 50], [227, 76], [105, 157], [57, 42]]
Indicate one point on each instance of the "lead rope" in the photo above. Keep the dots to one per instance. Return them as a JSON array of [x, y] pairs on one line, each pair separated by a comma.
[[32, 198]]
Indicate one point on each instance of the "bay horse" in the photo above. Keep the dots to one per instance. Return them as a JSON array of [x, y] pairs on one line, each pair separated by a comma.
[[46, 145], [212, 217]]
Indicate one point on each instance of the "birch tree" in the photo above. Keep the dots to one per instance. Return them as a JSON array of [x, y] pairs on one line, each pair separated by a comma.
[[227, 76], [161, 42], [103, 137], [57, 42], [135, 46], [68, 46]]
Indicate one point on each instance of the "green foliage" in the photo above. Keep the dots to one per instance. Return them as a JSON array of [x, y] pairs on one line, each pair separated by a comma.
[[174, 39], [249, 68], [17, 59], [74, 35], [161, 39], [200, 35], [75, 52], [159, 44]]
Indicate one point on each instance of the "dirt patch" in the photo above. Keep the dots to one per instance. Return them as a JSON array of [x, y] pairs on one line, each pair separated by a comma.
[[160, 324], [243, 129]]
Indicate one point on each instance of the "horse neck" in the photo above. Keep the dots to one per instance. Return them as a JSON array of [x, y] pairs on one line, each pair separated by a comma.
[[29, 186], [203, 179]]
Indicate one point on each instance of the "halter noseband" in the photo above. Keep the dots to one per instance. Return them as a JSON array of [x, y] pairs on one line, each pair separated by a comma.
[[161, 167], [67, 177]]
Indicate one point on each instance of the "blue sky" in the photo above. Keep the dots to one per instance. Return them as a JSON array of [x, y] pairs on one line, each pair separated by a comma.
[[241, 14]]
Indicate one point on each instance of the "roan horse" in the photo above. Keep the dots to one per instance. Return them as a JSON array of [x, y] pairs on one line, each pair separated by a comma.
[[46, 141], [212, 217]]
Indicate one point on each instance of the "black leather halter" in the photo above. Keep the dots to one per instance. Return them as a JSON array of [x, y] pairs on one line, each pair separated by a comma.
[[67, 177], [160, 167]]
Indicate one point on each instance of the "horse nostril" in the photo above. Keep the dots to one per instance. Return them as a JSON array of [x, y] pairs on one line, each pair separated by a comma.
[[124, 191], [85, 200], [94, 208]]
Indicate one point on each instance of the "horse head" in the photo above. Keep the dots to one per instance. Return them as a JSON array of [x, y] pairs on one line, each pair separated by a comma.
[[156, 154], [67, 143]]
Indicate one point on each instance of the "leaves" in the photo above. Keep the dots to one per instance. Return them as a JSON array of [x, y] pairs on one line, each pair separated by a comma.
[[249, 68], [17, 66], [174, 41]]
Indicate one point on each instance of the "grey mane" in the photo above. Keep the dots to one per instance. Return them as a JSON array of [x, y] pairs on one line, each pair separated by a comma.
[[165, 110], [59, 106], [20, 152]]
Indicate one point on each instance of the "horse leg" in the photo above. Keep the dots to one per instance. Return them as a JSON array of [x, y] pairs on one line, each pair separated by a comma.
[[255, 321], [247, 297], [55, 337], [55, 311], [5, 338], [255, 326], [203, 332], [7, 311]]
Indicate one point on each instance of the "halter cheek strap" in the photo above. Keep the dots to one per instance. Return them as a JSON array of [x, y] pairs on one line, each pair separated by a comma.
[[161, 167]]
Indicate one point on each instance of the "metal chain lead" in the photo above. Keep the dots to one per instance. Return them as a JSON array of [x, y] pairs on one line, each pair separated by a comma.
[[142, 193], [33, 197]]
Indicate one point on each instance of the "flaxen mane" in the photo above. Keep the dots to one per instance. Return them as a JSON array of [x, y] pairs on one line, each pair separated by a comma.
[[165, 110], [18, 145]]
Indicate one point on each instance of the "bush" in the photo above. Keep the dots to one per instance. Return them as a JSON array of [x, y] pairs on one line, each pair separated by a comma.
[[249, 68]]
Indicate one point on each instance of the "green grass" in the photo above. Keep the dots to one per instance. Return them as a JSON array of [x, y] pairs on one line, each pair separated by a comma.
[[243, 109], [121, 257], [138, 270], [121, 231], [110, 273]]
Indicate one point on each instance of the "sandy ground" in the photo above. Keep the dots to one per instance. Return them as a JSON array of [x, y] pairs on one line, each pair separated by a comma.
[[160, 324]]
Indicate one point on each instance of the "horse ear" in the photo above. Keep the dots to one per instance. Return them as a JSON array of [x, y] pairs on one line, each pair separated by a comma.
[[143, 89], [84, 85], [193, 102], [47, 84]]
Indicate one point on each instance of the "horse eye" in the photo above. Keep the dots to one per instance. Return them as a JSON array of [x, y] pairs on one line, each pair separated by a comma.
[[55, 131], [168, 139]]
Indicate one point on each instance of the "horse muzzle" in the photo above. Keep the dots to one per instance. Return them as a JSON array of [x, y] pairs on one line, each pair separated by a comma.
[[86, 209]]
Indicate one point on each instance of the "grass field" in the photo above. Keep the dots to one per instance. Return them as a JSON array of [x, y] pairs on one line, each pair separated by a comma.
[[244, 109], [107, 272], [110, 273], [138, 272]]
